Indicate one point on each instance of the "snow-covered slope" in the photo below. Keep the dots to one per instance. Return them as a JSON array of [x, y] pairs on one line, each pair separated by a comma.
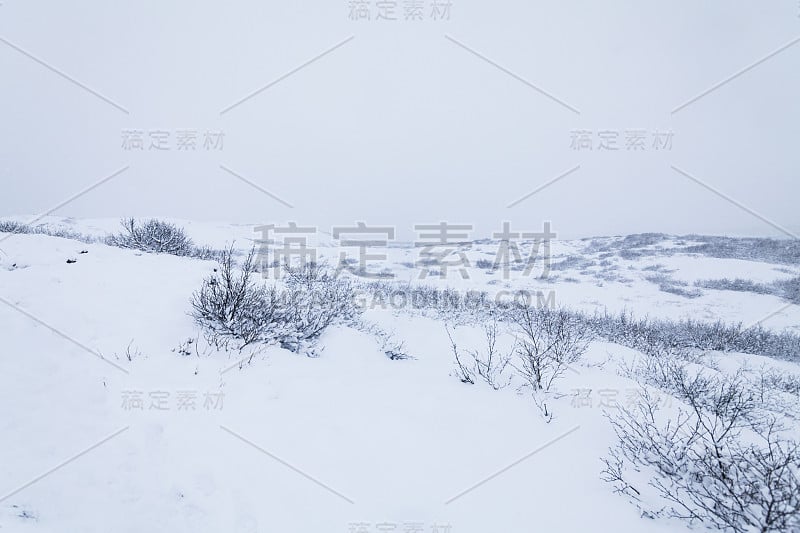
[[115, 415]]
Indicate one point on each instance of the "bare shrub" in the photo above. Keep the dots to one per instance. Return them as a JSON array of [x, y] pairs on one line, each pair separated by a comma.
[[777, 391], [785, 251], [484, 264], [789, 289], [640, 333], [738, 285], [307, 274], [154, 236], [645, 334], [673, 286], [489, 364], [464, 371], [157, 236], [705, 463], [11, 226], [390, 345], [311, 306], [232, 305], [549, 342]]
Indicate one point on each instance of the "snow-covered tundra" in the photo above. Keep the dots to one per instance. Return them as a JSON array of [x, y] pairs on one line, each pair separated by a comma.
[[657, 389]]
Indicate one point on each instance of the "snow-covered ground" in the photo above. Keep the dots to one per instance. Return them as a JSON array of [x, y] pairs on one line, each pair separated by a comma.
[[107, 426]]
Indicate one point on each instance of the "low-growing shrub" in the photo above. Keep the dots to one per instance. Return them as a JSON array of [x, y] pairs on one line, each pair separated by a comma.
[[11, 226], [154, 236], [707, 463], [157, 236], [790, 289], [234, 307], [549, 342], [639, 333], [673, 286], [489, 364], [785, 251], [484, 264], [738, 284]]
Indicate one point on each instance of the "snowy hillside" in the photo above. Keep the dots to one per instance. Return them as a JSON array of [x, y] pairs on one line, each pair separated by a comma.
[[119, 411]]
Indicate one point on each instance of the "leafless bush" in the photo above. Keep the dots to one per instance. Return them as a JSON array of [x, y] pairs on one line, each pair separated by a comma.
[[389, 345], [549, 342], [484, 264], [489, 364], [154, 236], [776, 391], [308, 308], [157, 236], [789, 289], [738, 285], [131, 352], [706, 463], [673, 286], [307, 274], [780, 381], [646, 334], [640, 333], [11, 226], [731, 397], [232, 306], [785, 251], [464, 371]]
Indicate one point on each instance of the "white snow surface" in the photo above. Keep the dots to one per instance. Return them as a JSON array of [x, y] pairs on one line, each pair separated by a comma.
[[348, 440]]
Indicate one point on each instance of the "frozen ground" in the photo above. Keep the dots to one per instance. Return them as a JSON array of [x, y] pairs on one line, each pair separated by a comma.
[[107, 426]]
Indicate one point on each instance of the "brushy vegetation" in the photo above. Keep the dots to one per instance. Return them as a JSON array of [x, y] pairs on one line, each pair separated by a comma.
[[738, 285], [10, 226], [722, 461], [781, 251], [788, 289], [673, 286], [646, 335], [152, 236], [236, 309], [489, 364], [157, 236], [642, 333]]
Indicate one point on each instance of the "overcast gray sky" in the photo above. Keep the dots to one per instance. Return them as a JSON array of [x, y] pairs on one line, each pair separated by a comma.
[[410, 121]]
